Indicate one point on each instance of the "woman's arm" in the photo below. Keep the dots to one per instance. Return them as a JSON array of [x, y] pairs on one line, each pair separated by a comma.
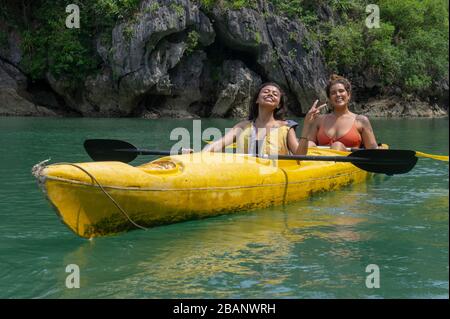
[[229, 138], [367, 134], [312, 135], [316, 120], [297, 147]]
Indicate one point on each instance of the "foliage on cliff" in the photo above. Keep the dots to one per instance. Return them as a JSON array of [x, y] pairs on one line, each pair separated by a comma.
[[49, 46], [408, 51]]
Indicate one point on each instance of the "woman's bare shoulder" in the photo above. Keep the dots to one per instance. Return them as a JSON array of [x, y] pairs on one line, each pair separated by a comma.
[[242, 124], [363, 123], [362, 119]]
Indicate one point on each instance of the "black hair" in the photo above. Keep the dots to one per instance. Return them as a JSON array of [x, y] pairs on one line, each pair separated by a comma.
[[279, 112]]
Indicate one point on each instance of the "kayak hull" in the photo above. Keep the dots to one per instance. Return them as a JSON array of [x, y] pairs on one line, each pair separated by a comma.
[[103, 198]]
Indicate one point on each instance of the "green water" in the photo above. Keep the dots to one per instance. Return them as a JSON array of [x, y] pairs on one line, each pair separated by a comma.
[[317, 248]]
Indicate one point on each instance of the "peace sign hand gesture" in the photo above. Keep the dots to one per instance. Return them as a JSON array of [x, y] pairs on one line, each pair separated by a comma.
[[313, 113]]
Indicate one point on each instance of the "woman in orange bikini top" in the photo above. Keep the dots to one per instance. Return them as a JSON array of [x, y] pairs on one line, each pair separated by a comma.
[[341, 129], [352, 138]]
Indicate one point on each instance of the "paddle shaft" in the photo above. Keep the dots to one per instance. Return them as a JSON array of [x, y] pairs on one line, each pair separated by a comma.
[[272, 157], [345, 159], [146, 152], [376, 161]]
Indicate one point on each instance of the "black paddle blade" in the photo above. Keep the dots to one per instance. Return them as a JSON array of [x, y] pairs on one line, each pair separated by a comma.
[[388, 161], [110, 150]]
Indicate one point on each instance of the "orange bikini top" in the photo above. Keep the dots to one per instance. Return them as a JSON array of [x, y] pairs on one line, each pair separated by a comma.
[[350, 139]]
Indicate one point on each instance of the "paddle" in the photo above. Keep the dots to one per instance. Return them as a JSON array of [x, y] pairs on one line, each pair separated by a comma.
[[376, 161], [387, 162], [436, 157], [116, 150], [418, 154]]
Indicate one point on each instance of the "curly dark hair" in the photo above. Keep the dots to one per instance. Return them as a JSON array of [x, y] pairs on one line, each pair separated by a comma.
[[278, 114], [335, 79]]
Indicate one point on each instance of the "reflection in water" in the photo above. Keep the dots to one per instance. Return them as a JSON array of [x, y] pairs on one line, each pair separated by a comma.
[[183, 260]]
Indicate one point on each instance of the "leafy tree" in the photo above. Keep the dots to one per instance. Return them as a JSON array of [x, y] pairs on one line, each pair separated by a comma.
[[409, 50]]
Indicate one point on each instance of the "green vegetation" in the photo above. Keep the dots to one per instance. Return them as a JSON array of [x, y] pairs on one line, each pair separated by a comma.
[[409, 50], [307, 45], [228, 4], [274, 58], [292, 53], [207, 4], [258, 38], [192, 41], [303, 10], [293, 36], [49, 46], [178, 8], [290, 8], [128, 31], [239, 4], [152, 8]]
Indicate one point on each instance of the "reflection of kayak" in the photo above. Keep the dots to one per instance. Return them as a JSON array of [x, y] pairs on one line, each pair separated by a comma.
[[183, 187]]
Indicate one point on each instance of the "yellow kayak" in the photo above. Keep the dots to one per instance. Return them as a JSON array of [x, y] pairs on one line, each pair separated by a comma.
[[102, 198]]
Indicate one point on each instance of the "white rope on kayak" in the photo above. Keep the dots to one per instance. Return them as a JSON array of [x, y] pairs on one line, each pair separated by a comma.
[[106, 193], [37, 169]]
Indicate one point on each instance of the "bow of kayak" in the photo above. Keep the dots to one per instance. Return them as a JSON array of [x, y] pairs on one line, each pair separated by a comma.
[[102, 198]]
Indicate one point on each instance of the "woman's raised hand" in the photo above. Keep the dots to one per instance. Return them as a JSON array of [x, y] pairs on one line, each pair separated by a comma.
[[313, 113]]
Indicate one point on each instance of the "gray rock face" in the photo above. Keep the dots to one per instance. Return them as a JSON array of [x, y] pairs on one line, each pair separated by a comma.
[[13, 97], [16, 97], [158, 42], [138, 61], [144, 54], [10, 45], [237, 86], [242, 30], [180, 89], [133, 42], [134, 85], [11, 77], [299, 59], [176, 59], [72, 96], [282, 50], [395, 107], [12, 104], [101, 94]]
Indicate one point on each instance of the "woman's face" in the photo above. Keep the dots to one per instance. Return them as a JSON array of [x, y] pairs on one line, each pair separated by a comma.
[[269, 96], [339, 97]]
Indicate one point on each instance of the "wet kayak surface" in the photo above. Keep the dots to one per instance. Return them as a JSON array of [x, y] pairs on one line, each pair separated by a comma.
[[316, 248]]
